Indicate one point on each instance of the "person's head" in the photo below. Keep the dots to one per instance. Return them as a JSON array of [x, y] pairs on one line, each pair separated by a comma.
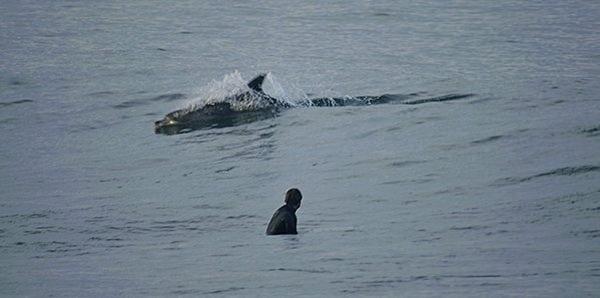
[[293, 198]]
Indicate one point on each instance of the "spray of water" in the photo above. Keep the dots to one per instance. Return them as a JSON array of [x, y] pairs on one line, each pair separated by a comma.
[[218, 91], [233, 87], [290, 95]]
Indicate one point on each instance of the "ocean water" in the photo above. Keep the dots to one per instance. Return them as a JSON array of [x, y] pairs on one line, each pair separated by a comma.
[[493, 195]]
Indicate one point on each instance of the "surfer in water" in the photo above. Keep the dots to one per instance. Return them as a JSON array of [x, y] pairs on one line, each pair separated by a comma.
[[284, 219]]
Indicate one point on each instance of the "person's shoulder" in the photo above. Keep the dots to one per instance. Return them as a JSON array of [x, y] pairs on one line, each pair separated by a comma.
[[280, 212], [282, 209], [284, 212]]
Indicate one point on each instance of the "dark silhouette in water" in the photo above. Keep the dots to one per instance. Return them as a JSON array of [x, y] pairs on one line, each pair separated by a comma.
[[284, 219], [222, 114]]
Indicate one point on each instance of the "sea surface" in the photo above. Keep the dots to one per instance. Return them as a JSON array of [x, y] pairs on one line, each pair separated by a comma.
[[493, 195]]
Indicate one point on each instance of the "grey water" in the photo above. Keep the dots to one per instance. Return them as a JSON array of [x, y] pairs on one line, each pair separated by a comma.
[[493, 195]]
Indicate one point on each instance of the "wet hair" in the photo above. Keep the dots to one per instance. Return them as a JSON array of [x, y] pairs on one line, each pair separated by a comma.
[[293, 196]]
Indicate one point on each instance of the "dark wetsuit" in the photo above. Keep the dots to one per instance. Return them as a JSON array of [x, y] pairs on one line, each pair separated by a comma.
[[283, 221]]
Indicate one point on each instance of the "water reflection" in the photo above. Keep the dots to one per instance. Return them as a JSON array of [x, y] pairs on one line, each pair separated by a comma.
[[254, 141]]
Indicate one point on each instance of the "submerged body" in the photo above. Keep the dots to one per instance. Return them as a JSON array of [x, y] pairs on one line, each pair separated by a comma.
[[221, 114]]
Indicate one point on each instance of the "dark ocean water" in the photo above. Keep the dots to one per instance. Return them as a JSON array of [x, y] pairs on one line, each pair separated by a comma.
[[497, 194]]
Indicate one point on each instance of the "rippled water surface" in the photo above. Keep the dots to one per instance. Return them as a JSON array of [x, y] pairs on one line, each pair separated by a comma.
[[496, 194]]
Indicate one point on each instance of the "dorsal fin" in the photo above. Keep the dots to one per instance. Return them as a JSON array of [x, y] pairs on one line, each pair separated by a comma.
[[256, 83]]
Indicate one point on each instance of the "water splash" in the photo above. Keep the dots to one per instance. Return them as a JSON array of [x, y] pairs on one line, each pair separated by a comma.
[[234, 90], [217, 91], [290, 94]]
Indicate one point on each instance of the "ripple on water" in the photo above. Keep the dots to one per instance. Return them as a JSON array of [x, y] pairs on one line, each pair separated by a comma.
[[468, 228], [406, 163], [448, 97], [241, 216], [224, 170], [591, 131], [16, 102], [257, 133], [383, 282], [300, 270], [587, 233], [221, 291], [566, 171], [408, 181], [488, 140], [102, 93], [208, 206], [144, 101]]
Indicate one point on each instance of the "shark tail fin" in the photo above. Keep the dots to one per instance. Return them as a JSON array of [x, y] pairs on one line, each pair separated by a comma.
[[256, 83]]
